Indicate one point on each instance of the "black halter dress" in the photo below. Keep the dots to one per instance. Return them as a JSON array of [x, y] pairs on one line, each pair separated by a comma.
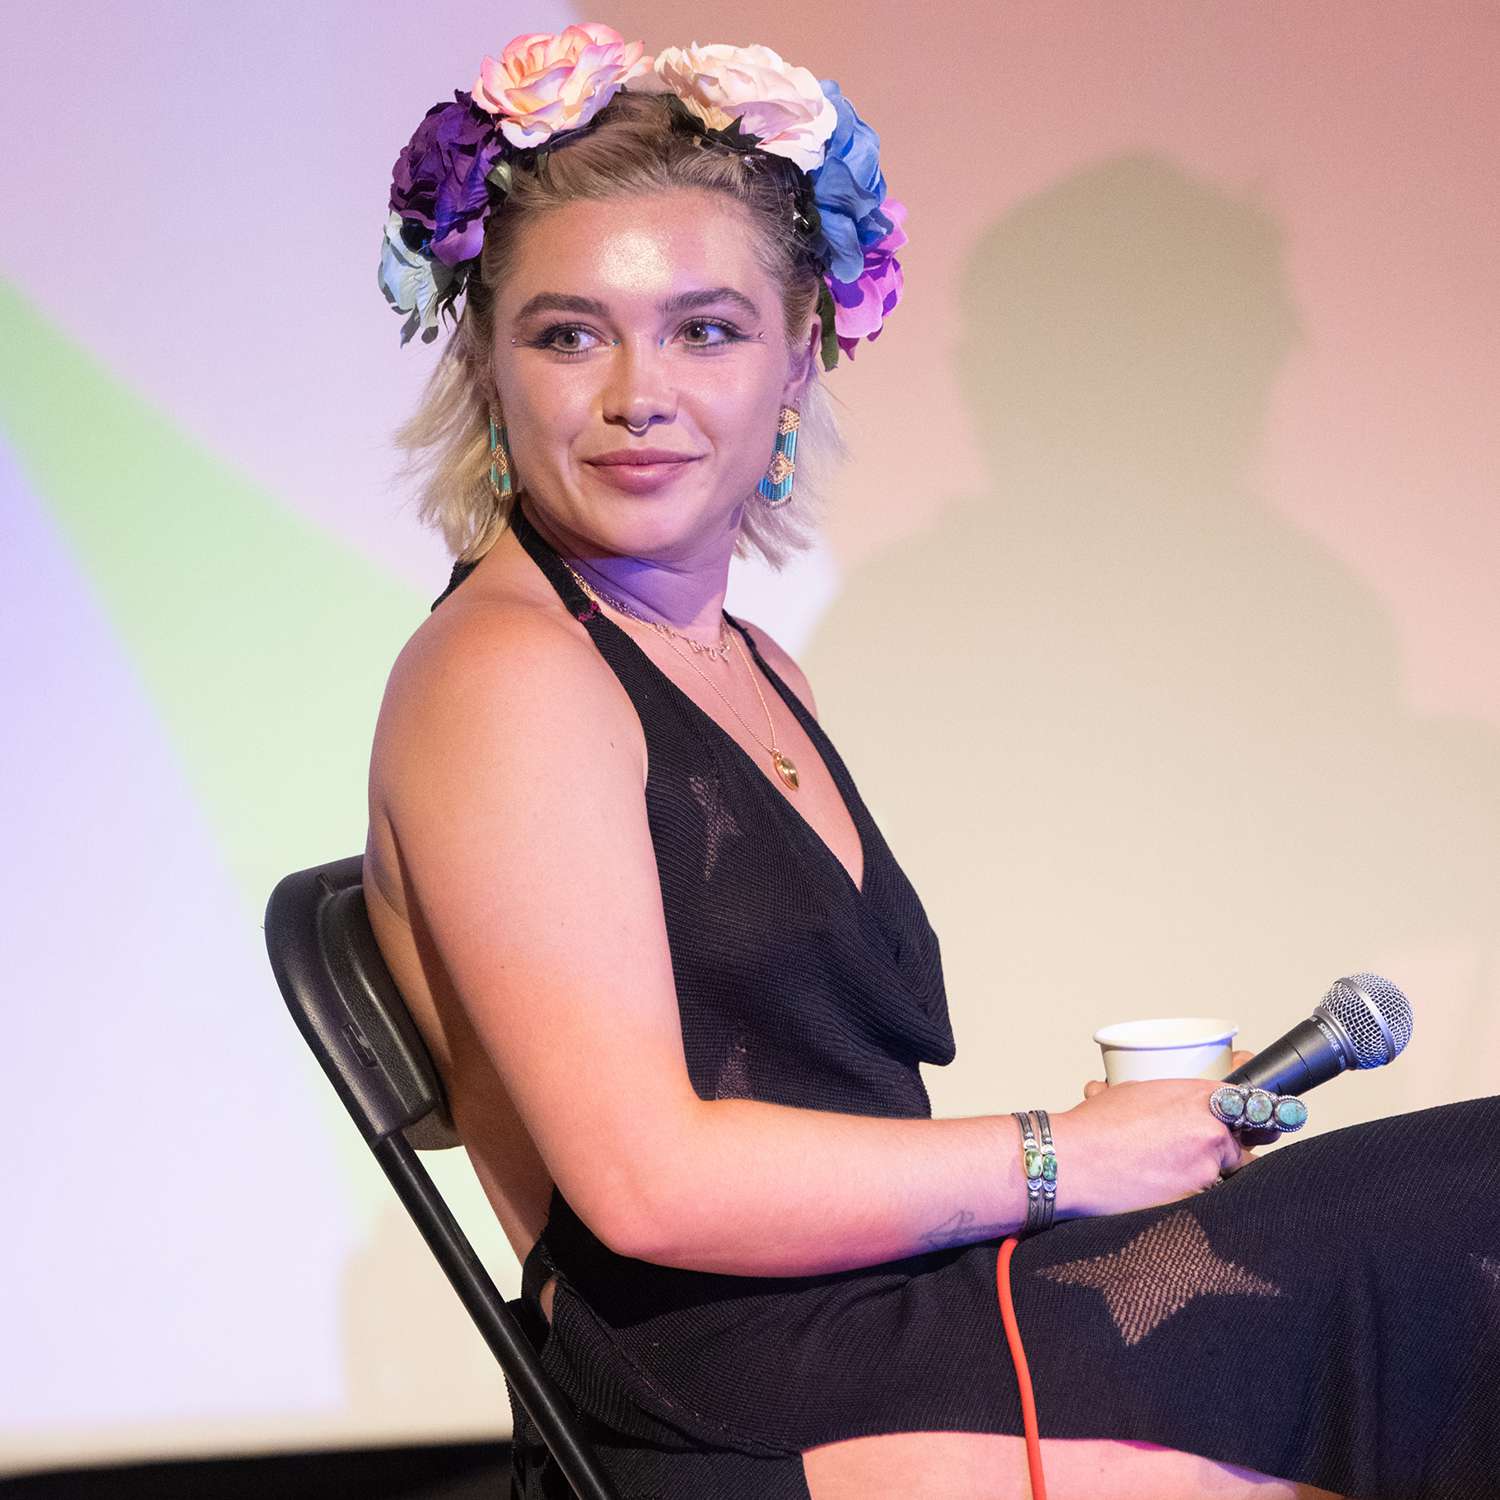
[[1329, 1314]]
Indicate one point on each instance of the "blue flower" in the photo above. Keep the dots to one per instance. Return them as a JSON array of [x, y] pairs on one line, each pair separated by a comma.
[[849, 188], [413, 283]]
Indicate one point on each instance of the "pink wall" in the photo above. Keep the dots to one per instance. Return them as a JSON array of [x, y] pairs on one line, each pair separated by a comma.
[[1366, 132]]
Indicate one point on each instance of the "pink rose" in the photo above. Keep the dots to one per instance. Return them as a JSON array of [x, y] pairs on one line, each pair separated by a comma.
[[782, 106], [861, 307], [542, 84]]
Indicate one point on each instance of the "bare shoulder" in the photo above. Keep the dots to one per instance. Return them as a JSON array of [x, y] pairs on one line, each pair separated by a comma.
[[781, 662], [492, 699], [497, 670]]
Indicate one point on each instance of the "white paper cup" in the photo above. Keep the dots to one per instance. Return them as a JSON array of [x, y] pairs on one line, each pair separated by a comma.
[[1169, 1047]]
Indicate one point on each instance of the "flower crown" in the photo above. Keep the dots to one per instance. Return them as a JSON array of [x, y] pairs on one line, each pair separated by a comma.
[[456, 170]]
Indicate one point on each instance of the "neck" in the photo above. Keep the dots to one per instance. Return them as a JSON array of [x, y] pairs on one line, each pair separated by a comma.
[[687, 596]]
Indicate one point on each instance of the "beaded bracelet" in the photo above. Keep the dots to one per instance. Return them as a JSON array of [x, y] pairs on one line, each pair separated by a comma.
[[1040, 1165]]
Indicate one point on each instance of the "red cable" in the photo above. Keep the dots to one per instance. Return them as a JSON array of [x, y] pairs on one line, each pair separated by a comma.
[[1023, 1374]]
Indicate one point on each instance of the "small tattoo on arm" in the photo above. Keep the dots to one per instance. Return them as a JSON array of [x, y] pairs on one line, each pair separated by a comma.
[[960, 1228]]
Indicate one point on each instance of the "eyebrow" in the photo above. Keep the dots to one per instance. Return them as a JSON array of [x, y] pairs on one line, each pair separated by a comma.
[[681, 303]]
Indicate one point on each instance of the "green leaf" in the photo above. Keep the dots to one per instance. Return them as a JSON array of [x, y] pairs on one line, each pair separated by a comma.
[[829, 346]]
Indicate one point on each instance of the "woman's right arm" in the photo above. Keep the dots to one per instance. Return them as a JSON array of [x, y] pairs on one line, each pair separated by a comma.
[[513, 775]]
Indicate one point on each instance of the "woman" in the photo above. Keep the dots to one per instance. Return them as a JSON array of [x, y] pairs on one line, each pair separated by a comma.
[[676, 984]]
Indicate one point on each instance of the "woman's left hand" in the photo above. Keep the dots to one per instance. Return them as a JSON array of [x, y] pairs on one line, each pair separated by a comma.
[[1248, 1138]]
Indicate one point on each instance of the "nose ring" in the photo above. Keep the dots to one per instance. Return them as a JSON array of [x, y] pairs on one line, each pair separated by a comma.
[[638, 431]]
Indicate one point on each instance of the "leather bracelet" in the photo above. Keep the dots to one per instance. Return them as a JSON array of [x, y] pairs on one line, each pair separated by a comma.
[[1039, 1163]]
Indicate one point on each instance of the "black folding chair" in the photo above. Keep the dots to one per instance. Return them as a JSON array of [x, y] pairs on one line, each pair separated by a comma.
[[351, 1014]]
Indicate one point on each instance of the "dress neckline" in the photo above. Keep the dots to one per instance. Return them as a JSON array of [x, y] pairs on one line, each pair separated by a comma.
[[749, 763], [588, 613]]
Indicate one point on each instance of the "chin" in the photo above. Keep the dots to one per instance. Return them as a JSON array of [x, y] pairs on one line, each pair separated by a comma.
[[660, 525]]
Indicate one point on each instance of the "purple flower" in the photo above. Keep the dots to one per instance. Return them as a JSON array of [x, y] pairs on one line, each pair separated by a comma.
[[849, 188], [861, 306], [439, 178]]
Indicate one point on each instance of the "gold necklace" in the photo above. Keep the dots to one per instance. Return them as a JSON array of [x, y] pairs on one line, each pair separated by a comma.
[[712, 652], [783, 763]]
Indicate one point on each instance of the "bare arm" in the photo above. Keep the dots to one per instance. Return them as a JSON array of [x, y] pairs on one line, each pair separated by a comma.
[[766, 1190], [515, 789]]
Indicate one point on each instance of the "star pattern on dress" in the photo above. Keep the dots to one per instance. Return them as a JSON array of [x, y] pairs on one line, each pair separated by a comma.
[[1158, 1273], [718, 821], [734, 1072]]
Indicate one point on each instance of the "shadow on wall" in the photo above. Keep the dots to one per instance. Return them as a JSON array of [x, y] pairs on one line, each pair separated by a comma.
[[1140, 744]]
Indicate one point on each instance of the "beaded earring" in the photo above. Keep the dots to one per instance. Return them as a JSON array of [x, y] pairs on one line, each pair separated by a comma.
[[500, 481], [775, 487]]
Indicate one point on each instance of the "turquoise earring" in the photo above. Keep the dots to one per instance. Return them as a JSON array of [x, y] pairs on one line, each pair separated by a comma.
[[500, 481], [775, 487]]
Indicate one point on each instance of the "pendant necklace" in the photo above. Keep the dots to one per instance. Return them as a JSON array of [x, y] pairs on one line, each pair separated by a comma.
[[785, 768]]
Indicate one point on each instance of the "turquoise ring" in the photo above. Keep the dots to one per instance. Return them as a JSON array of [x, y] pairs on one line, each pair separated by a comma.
[[1290, 1114], [1260, 1105], [1228, 1104], [1242, 1107]]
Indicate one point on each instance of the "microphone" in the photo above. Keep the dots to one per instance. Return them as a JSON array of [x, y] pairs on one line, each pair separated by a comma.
[[1362, 1022]]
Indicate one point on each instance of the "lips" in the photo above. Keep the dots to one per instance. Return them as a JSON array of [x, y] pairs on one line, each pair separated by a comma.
[[641, 457], [640, 471]]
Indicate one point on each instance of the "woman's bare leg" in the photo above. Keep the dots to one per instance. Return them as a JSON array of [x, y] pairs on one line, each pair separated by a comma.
[[987, 1466]]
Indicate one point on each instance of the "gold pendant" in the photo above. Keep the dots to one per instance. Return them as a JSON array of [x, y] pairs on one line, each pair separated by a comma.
[[785, 769]]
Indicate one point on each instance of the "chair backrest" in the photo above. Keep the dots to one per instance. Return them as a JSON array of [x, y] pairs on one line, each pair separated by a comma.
[[345, 1003], [341, 994]]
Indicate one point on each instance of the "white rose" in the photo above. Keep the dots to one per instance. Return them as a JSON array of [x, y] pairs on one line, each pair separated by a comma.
[[782, 106]]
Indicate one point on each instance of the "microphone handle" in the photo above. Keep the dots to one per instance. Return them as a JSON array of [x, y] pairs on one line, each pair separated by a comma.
[[1311, 1053]]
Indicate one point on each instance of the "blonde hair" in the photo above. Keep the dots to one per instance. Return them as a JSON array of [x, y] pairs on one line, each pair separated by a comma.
[[631, 148]]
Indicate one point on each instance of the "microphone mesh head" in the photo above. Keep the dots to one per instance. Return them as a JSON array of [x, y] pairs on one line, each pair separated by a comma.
[[1374, 1013]]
